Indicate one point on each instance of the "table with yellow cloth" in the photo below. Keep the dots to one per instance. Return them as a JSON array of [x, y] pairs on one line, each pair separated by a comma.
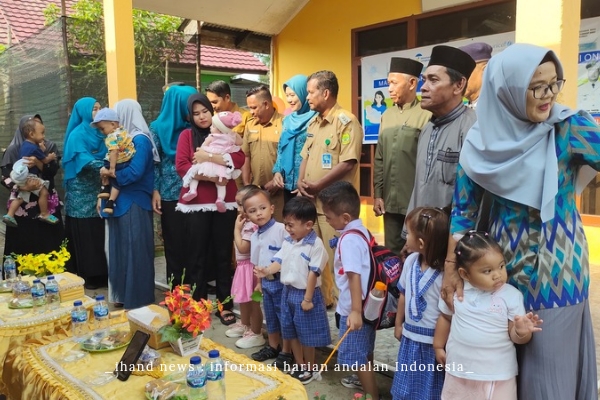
[[17, 326], [35, 371]]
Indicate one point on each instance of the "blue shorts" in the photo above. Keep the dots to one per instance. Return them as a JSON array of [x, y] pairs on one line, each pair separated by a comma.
[[272, 303], [357, 346], [310, 327]]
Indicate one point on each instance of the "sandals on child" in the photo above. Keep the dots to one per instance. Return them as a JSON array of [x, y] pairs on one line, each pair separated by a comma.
[[50, 219], [9, 221]]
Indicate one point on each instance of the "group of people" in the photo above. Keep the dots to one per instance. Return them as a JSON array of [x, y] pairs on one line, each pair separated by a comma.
[[510, 161]]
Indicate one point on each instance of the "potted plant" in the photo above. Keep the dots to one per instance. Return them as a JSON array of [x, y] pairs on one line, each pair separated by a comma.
[[189, 318]]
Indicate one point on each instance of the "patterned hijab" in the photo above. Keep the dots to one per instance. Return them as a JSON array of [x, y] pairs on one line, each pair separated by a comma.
[[506, 153], [83, 143], [132, 120], [172, 118]]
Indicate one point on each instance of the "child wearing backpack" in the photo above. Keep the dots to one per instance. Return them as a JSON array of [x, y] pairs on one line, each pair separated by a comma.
[[352, 268], [420, 285]]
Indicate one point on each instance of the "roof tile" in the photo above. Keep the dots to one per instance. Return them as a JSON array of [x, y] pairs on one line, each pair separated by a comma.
[[26, 18]]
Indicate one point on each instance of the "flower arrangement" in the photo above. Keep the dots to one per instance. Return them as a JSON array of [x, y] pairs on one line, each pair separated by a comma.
[[43, 264], [188, 316], [317, 396]]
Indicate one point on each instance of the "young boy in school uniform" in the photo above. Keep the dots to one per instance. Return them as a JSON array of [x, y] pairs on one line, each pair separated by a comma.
[[352, 265], [301, 261], [264, 244]]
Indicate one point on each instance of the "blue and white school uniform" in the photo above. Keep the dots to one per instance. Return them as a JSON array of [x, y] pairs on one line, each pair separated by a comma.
[[422, 294], [352, 255], [297, 259], [264, 244]]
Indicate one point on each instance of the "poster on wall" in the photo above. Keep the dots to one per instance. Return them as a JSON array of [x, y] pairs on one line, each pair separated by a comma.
[[375, 95], [588, 67]]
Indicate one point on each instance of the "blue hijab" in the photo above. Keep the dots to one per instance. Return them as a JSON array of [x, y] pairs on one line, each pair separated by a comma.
[[506, 153], [172, 119], [83, 143], [295, 124]]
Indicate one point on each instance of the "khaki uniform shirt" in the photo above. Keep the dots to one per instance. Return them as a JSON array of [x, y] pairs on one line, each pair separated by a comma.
[[260, 145], [245, 117], [396, 155], [331, 140]]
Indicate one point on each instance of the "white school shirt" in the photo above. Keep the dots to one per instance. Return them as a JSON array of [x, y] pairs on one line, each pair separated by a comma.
[[297, 258], [479, 340], [412, 280], [266, 242], [355, 257]]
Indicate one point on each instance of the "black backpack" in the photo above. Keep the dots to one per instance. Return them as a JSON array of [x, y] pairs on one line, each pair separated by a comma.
[[386, 267]]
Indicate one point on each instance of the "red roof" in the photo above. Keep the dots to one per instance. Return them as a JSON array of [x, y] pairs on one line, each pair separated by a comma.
[[26, 18], [223, 59]]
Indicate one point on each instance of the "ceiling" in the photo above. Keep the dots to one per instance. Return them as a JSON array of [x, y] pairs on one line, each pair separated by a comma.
[[267, 17]]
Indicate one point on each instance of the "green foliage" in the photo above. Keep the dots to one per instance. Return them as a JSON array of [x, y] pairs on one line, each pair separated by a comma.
[[156, 39], [170, 333]]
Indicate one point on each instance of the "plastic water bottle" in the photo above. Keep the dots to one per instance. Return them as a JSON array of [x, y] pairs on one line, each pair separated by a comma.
[[196, 380], [10, 269], [79, 318], [52, 294], [374, 302], [38, 294], [101, 312], [215, 376]]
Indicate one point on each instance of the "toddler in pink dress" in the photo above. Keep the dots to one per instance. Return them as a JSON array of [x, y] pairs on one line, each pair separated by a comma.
[[221, 140]]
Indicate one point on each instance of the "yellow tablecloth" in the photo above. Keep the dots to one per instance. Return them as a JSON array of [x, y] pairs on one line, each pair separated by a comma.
[[34, 371], [17, 326]]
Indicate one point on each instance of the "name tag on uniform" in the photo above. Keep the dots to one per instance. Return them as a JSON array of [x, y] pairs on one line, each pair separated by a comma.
[[326, 161]]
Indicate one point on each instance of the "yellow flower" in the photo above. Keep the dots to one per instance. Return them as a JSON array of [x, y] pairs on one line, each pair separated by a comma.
[[43, 264]]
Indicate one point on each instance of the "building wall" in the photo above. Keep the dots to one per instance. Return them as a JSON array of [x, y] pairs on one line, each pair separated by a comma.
[[304, 35]]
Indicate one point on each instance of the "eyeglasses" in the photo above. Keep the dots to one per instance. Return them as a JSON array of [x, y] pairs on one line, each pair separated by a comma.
[[541, 90]]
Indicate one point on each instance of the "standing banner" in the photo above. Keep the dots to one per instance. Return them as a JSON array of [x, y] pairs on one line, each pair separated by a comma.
[[375, 68]]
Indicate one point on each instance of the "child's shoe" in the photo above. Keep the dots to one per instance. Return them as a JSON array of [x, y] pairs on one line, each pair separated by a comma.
[[265, 353], [189, 195], [49, 219], [352, 382], [109, 207], [237, 330], [220, 205], [304, 375], [9, 221], [104, 192], [250, 340], [284, 362]]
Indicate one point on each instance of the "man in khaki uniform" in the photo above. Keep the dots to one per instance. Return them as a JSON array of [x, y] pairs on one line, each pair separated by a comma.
[[261, 138], [480, 53], [219, 95], [331, 153], [396, 152]]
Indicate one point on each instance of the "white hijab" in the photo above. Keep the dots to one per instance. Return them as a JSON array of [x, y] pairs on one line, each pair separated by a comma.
[[132, 120], [506, 153]]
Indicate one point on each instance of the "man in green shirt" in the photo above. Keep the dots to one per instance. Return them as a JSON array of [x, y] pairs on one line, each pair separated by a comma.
[[396, 152]]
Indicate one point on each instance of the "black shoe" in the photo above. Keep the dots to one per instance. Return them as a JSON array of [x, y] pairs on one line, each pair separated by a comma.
[[284, 362], [104, 192], [304, 376], [109, 207], [265, 353]]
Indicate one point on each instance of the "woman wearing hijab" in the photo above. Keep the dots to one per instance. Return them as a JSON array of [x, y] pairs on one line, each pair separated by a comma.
[[165, 131], [83, 158], [533, 155], [130, 231], [206, 233], [32, 235], [293, 136]]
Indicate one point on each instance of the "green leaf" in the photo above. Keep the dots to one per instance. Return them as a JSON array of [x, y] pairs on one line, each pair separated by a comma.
[[169, 333], [256, 296]]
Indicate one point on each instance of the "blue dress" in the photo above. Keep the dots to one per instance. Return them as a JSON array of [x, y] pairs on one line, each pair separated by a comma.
[[131, 235]]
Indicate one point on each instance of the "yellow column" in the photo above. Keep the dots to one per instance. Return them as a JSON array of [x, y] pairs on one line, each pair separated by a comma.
[[120, 54], [553, 24]]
